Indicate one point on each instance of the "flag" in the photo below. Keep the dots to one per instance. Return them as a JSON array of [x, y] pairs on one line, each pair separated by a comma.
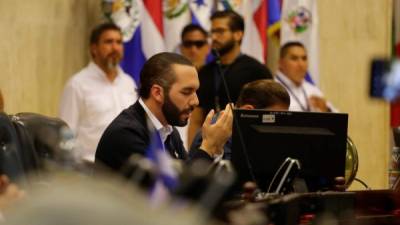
[[167, 179], [299, 22], [396, 27], [201, 12], [141, 22], [395, 107], [273, 17], [151, 26], [273, 25], [254, 14], [180, 13], [177, 16]]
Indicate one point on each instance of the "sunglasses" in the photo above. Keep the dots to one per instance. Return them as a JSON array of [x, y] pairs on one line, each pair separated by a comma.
[[198, 44]]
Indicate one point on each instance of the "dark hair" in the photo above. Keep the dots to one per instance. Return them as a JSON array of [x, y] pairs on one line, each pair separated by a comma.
[[262, 94], [193, 27], [236, 22], [285, 48], [100, 29], [158, 70]]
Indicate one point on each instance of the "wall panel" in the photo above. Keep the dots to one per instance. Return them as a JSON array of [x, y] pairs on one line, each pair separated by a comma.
[[351, 34], [43, 43]]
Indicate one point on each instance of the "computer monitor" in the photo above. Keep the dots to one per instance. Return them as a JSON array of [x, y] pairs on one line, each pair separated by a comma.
[[317, 140]]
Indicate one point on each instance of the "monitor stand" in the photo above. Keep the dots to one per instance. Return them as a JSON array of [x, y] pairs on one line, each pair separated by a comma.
[[285, 180]]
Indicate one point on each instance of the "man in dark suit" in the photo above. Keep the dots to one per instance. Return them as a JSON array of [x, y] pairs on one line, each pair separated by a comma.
[[168, 84]]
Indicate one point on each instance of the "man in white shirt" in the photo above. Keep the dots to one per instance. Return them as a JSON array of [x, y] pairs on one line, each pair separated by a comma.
[[293, 65], [94, 96]]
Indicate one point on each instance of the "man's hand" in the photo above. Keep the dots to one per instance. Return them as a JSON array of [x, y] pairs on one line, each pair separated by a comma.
[[215, 135], [318, 104]]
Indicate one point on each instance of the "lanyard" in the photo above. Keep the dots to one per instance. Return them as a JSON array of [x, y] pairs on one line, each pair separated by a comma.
[[304, 108]]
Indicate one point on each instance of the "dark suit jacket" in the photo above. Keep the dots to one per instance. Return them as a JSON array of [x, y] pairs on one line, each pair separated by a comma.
[[128, 134]]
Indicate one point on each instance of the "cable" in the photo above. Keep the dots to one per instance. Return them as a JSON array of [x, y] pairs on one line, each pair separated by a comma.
[[236, 124], [289, 161], [363, 183], [276, 175]]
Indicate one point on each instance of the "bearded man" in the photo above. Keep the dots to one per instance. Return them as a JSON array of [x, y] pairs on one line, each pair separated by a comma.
[[238, 69], [167, 97], [94, 96]]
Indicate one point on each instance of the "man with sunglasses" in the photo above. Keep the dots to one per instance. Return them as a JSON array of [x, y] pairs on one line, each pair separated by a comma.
[[227, 30], [194, 44]]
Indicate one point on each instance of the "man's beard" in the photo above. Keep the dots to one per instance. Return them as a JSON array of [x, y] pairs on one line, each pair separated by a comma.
[[112, 61], [111, 65], [172, 113], [227, 47]]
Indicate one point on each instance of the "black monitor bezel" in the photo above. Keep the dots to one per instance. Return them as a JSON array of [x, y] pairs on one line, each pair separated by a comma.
[[334, 123]]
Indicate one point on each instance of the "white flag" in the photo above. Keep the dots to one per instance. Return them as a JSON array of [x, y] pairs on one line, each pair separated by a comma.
[[253, 13], [176, 17], [299, 22]]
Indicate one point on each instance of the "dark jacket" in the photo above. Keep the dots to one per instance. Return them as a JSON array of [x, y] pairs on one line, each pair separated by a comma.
[[128, 134]]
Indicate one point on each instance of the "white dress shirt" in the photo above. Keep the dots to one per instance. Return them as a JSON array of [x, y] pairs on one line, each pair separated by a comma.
[[299, 95], [164, 131], [90, 102]]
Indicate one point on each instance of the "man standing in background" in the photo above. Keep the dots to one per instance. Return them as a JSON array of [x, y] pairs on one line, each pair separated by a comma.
[[94, 96], [227, 30]]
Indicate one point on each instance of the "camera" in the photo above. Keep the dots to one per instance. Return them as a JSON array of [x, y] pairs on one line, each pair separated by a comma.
[[385, 79]]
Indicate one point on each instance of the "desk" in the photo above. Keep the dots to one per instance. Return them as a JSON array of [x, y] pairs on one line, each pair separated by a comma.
[[347, 208]]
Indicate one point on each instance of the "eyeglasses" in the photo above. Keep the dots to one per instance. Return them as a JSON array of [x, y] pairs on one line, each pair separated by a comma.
[[198, 44]]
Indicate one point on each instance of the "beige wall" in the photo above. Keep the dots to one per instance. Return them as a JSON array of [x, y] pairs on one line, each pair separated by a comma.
[[45, 41], [351, 34]]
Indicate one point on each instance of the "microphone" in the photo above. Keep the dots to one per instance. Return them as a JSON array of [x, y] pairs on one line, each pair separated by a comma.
[[235, 122], [219, 73]]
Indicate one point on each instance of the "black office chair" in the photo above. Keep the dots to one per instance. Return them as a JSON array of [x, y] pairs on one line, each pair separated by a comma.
[[47, 135], [29, 141], [11, 159]]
